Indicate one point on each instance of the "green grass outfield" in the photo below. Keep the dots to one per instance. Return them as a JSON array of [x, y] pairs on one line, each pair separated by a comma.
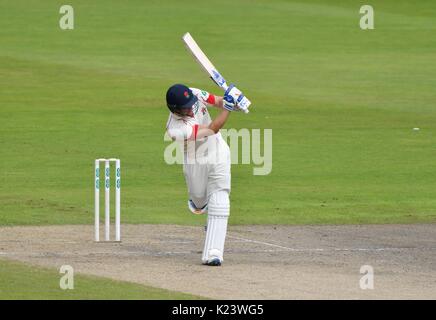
[[18, 281], [342, 103]]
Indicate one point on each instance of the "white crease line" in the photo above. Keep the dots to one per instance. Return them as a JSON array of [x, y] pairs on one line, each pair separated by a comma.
[[331, 249], [273, 245], [61, 254]]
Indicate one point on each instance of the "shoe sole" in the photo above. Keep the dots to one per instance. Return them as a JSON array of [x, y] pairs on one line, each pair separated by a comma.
[[196, 211]]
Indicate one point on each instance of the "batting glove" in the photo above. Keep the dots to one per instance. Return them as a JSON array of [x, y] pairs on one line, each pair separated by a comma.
[[239, 100], [229, 102]]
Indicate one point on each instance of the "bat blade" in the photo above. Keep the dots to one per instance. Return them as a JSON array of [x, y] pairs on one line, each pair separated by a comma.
[[204, 61]]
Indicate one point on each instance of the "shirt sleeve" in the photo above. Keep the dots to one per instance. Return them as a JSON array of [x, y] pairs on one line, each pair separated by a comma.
[[204, 96], [182, 130]]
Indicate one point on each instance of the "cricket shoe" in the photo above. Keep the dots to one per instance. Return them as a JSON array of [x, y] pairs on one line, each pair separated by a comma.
[[196, 210], [215, 262]]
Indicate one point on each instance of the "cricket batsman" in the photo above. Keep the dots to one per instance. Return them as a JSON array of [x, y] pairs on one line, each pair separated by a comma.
[[206, 163]]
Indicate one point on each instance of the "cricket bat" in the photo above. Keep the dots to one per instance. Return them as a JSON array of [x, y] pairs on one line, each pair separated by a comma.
[[203, 60]]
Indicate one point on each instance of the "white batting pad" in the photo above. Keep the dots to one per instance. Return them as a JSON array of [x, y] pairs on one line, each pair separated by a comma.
[[218, 214]]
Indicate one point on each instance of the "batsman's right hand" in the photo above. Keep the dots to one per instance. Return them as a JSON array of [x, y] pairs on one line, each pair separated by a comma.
[[236, 99]]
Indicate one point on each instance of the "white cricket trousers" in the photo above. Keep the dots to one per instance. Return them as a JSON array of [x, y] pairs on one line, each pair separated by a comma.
[[203, 179]]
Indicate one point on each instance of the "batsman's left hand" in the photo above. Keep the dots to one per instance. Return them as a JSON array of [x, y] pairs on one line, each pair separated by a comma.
[[229, 103]]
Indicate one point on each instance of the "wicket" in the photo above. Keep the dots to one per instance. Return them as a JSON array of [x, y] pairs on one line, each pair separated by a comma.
[[107, 198]]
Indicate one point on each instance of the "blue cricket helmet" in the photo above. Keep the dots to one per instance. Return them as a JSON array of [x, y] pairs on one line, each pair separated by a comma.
[[180, 97]]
